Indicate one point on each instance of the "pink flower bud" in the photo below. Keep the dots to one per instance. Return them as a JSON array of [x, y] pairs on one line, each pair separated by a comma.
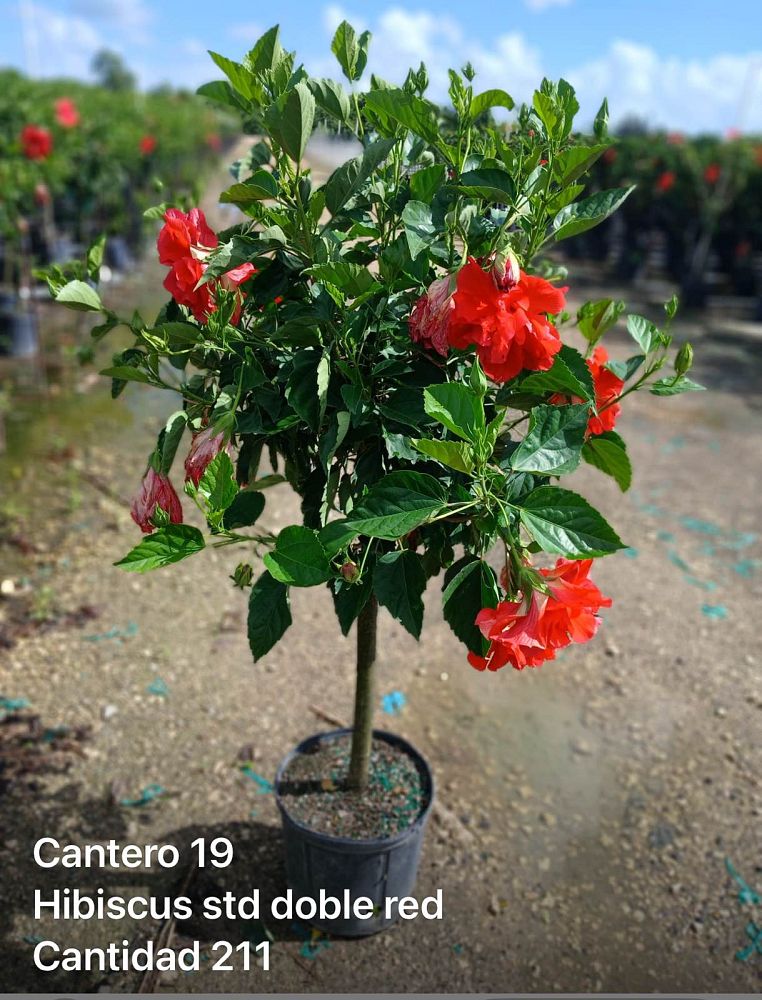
[[350, 571], [155, 491], [506, 272], [430, 317], [205, 446]]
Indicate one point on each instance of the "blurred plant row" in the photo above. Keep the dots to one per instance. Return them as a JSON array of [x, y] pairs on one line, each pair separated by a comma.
[[696, 208], [77, 160]]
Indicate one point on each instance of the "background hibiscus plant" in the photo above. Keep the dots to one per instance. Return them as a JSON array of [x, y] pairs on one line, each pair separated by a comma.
[[390, 341]]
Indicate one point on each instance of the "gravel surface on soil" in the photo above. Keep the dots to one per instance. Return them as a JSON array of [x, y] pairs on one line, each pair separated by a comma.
[[585, 810], [314, 792]]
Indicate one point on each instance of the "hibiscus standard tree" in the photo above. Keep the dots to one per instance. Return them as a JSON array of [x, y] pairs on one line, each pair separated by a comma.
[[395, 343]]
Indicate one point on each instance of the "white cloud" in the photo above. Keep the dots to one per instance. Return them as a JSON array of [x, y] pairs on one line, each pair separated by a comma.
[[131, 18], [540, 5], [668, 91], [57, 44]]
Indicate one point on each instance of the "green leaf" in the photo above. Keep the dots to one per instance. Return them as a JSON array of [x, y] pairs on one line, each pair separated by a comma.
[[668, 386], [490, 99], [220, 92], [454, 454], [645, 334], [489, 183], [425, 183], [546, 110], [332, 98], [626, 369], [95, 257], [595, 318], [397, 504], [553, 444], [79, 295], [166, 545], [269, 614], [171, 437], [127, 373], [244, 510], [218, 483], [564, 523], [349, 601], [583, 215], [399, 581], [351, 51], [266, 53], [298, 558], [259, 187], [292, 125], [352, 279], [608, 453], [406, 109], [569, 375], [348, 179], [469, 585], [302, 387], [457, 407], [240, 77], [335, 536], [419, 227], [574, 162]]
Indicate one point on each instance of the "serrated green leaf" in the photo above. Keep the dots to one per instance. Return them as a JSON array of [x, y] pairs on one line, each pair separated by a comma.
[[351, 279], [399, 581], [269, 614], [425, 183], [626, 369], [668, 387], [240, 77], [454, 454], [608, 453], [244, 511], [457, 407], [569, 375], [166, 545], [469, 585], [553, 443], [171, 437], [489, 183], [348, 179], [332, 98], [490, 99], [218, 483], [583, 215], [419, 227], [645, 334], [81, 296], [350, 599], [298, 559], [397, 504], [563, 522], [335, 536], [574, 162], [292, 124], [261, 186], [406, 109]]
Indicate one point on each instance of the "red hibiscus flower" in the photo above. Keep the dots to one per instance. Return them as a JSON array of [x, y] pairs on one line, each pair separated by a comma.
[[148, 144], [527, 633], [214, 142], [36, 142], [610, 155], [510, 329], [608, 387], [431, 315], [675, 138], [155, 491], [712, 173], [66, 111], [205, 446], [665, 181], [184, 243]]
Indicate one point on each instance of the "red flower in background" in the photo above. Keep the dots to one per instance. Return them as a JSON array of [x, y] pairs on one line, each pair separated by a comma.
[[431, 315], [205, 446], [675, 138], [527, 633], [155, 491], [184, 243], [66, 111], [214, 142], [148, 144], [666, 180], [510, 329], [610, 155], [712, 173], [36, 142]]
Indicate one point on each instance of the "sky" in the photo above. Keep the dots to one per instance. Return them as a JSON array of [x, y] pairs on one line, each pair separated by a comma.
[[691, 66]]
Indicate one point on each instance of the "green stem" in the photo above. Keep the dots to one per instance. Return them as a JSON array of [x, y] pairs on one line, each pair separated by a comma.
[[362, 732]]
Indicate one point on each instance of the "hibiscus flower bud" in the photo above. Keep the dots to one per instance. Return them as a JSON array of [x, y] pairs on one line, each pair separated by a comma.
[[350, 571], [431, 315], [506, 272], [242, 575], [684, 359], [155, 491], [477, 379], [205, 446]]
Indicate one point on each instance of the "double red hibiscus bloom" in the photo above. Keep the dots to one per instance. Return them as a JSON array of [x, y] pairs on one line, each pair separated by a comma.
[[184, 243], [527, 632], [508, 327]]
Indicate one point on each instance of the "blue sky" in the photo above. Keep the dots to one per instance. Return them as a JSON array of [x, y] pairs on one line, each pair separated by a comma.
[[692, 66]]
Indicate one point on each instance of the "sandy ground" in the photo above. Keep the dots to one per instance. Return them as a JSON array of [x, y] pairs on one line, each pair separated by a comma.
[[585, 809]]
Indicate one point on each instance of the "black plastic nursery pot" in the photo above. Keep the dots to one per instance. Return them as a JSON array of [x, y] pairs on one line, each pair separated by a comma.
[[378, 869]]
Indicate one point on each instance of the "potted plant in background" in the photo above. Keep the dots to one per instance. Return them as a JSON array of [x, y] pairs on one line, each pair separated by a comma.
[[391, 340]]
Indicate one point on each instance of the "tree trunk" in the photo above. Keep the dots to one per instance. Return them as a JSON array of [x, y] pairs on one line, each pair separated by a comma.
[[362, 731]]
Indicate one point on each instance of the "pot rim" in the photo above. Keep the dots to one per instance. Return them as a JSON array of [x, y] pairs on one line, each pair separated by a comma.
[[364, 845]]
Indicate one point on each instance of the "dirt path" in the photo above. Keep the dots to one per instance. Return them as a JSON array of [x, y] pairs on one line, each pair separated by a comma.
[[586, 808]]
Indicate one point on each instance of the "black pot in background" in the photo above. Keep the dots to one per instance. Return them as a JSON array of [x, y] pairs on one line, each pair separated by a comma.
[[376, 868]]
